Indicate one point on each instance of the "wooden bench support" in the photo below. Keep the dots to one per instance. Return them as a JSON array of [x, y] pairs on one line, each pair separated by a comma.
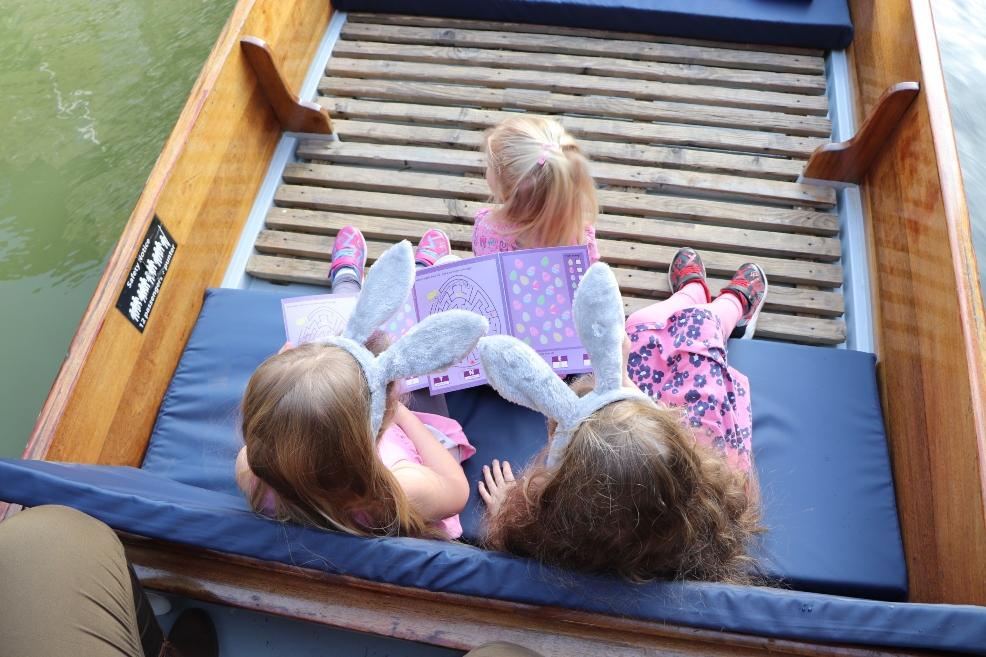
[[294, 114], [848, 161]]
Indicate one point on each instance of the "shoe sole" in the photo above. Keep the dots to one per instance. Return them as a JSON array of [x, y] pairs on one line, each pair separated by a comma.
[[751, 326]]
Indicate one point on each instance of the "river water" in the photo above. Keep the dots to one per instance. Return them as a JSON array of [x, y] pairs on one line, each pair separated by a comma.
[[89, 92]]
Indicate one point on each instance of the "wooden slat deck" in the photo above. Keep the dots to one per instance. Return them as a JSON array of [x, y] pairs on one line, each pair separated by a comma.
[[692, 143]]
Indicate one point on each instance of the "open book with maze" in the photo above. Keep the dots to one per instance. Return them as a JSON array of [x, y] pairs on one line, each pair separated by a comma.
[[526, 294]]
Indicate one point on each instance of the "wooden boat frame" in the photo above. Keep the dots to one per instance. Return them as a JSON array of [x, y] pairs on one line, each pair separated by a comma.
[[928, 317]]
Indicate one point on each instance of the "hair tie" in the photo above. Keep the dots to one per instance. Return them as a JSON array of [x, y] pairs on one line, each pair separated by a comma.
[[545, 149]]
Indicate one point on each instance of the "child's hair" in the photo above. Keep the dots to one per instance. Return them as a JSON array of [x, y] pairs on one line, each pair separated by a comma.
[[547, 191], [306, 425], [636, 495]]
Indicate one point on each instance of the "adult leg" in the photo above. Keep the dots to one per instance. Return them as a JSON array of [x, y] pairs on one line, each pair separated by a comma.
[[67, 590]]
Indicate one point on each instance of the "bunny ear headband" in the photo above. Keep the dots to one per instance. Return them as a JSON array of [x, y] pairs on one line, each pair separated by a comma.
[[521, 376], [437, 342]]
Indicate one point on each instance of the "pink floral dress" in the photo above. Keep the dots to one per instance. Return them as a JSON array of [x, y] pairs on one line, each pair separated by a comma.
[[681, 361], [490, 237]]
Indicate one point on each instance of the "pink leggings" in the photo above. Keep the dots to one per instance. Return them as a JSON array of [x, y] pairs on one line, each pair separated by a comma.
[[726, 307]]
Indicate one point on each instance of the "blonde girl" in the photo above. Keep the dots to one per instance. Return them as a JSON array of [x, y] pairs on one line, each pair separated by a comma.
[[648, 473], [327, 442], [541, 184]]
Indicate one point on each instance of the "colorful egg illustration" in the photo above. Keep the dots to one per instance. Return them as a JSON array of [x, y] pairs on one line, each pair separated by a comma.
[[544, 261], [539, 312], [513, 276], [527, 339], [567, 315], [531, 270], [541, 300], [519, 327], [555, 268], [517, 305], [518, 263], [432, 295], [553, 309], [560, 298], [557, 336], [534, 331], [536, 285], [524, 280], [516, 289], [558, 323], [546, 276], [549, 290], [544, 339], [526, 316], [528, 297], [546, 326], [569, 332], [558, 282]]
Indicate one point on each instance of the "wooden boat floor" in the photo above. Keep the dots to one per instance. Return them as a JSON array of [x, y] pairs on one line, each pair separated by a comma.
[[692, 144]]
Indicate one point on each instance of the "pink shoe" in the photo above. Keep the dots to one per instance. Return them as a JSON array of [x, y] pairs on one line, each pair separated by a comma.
[[349, 250], [434, 244]]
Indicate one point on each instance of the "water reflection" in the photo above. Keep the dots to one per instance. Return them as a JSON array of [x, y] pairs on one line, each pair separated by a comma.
[[961, 27], [89, 93]]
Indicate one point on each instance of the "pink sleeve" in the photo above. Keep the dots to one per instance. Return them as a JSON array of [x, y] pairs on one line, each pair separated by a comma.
[[450, 428], [590, 241], [486, 238]]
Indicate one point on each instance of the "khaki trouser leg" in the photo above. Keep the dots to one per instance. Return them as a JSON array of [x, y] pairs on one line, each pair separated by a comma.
[[64, 587]]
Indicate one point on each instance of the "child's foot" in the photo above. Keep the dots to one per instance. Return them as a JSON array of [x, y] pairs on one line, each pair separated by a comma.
[[434, 244], [749, 285], [348, 256], [687, 267], [498, 481]]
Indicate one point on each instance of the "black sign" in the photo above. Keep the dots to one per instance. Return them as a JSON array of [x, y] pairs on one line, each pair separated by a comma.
[[144, 282]]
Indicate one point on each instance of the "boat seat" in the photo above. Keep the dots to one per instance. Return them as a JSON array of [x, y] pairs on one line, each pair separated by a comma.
[[819, 447], [803, 23]]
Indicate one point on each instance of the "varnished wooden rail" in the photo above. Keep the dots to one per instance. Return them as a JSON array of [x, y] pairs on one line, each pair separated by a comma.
[[294, 114], [848, 161]]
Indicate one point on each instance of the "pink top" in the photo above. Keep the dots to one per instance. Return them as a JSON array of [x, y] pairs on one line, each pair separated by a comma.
[[394, 446], [490, 237]]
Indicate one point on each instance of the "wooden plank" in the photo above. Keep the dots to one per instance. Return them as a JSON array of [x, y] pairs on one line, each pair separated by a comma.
[[792, 83], [754, 166], [648, 205], [930, 324], [446, 619], [570, 45], [646, 283], [104, 402], [397, 89], [667, 181], [433, 113], [814, 56], [583, 82], [770, 325], [611, 250]]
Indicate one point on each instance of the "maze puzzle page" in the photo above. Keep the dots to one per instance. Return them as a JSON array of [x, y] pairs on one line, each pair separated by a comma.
[[314, 318], [472, 285]]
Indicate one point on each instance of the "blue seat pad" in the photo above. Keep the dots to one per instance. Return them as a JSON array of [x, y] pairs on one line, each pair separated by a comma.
[[805, 23], [148, 504], [819, 445]]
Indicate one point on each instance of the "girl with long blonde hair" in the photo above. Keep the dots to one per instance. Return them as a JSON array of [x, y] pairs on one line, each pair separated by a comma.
[[542, 186], [327, 442]]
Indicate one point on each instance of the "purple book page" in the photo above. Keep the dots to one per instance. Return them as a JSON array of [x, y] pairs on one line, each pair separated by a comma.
[[540, 285], [472, 285], [315, 318]]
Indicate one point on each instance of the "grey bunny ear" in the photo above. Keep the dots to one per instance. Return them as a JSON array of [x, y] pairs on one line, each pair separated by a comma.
[[436, 343], [598, 310], [387, 285], [521, 376]]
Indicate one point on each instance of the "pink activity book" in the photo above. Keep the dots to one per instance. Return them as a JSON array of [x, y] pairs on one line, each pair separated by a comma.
[[526, 294]]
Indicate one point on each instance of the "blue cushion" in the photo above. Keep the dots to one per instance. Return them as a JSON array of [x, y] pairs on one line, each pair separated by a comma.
[[826, 537], [806, 23], [148, 504]]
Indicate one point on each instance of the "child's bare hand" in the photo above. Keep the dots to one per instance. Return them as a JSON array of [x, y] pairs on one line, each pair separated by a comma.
[[498, 481]]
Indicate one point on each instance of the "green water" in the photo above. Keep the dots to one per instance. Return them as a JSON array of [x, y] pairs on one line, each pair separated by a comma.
[[88, 93]]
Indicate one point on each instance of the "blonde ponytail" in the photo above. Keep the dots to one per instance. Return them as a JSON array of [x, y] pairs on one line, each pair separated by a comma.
[[548, 195]]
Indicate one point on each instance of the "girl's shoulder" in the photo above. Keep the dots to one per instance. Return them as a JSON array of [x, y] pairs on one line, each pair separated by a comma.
[[489, 235]]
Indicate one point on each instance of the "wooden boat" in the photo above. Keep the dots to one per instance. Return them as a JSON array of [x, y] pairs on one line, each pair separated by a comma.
[[912, 290]]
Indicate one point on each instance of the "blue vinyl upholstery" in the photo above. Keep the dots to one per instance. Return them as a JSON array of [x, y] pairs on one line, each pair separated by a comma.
[[805, 23], [819, 449]]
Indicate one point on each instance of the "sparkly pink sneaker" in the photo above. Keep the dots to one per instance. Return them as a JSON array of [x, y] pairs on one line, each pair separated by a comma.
[[349, 250], [434, 244]]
